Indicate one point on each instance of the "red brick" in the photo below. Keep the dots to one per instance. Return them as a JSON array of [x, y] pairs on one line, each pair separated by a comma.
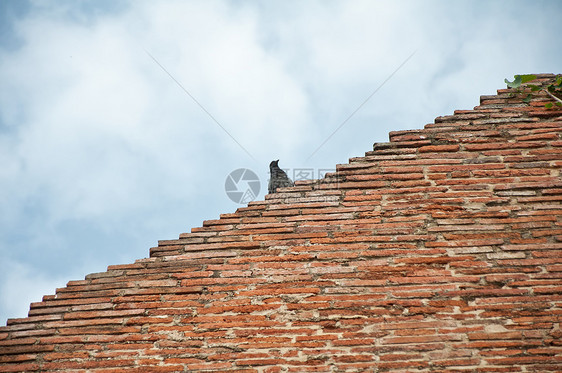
[[439, 148], [20, 367], [438, 250]]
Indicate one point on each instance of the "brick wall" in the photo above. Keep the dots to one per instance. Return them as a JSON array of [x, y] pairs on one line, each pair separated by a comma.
[[437, 251]]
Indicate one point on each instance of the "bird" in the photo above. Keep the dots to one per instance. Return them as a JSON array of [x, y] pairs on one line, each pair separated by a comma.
[[278, 178]]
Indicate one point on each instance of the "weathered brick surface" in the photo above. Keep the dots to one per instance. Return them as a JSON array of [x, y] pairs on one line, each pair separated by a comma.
[[440, 250]]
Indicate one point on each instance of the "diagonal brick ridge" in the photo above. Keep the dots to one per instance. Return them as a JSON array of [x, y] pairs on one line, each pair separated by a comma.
[[438, 251]]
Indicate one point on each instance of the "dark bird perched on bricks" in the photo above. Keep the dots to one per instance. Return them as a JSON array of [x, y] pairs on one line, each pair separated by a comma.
[[278, 178]]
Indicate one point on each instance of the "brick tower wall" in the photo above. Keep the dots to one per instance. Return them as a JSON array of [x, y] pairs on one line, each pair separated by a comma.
[[437, 251]]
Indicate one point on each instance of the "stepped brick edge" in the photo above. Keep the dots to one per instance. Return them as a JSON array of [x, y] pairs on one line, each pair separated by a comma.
[[439, 251]]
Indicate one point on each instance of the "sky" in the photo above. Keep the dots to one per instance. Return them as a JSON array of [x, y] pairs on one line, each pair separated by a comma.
[[120, 121]]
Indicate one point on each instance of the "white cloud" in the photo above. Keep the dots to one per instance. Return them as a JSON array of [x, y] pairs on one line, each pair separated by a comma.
[[21, 285]]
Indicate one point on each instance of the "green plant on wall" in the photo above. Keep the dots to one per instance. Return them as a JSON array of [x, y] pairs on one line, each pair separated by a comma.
[[554, 90]]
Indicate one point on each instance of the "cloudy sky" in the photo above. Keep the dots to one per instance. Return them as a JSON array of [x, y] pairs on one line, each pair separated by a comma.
[[111, 111]]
